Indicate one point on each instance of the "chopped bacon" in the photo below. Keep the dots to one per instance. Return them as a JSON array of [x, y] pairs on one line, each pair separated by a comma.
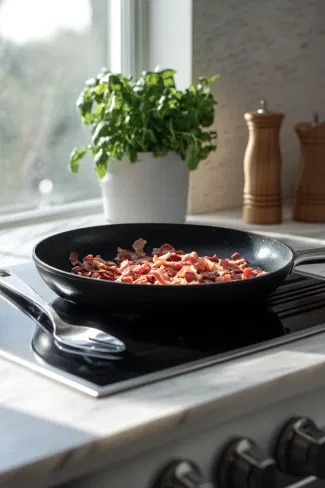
[[142, 268], [160, 251], [227, 264], [210, 275], [89, 265], [125, 279], [139, 245], [187, 270], [205, 264], [173, 256], [144, 280], [160, 278], [191, 258], [226, 277], [74, 259], [122, 254], [190, 277], [90, 257], [99, 260], [214, 258], [165, 266], [247, 272], [236, 256], [171, 264], [169, 256], [171, 272]]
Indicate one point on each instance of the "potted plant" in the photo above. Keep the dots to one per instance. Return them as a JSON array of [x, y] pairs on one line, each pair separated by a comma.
[[146, 137]]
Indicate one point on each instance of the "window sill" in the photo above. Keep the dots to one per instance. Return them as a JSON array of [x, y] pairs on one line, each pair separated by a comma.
[[71, 210]]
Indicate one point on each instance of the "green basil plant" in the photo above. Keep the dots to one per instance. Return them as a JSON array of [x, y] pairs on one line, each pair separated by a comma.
[[128, 116]]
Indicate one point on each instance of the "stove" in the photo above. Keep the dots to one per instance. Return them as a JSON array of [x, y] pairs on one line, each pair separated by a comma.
[[164, 345]]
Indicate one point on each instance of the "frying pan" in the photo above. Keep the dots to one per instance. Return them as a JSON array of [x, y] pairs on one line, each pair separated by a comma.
[[51, 257]]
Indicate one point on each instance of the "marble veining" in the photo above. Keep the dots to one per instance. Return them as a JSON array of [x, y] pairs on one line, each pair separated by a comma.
[[260, 49]]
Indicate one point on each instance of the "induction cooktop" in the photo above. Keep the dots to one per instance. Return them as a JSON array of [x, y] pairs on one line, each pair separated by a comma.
[[161, 345]]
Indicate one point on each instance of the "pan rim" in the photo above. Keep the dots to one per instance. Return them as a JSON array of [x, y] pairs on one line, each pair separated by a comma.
[[69, 275]]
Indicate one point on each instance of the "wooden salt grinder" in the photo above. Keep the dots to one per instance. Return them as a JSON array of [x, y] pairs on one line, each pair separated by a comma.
[[262, 199], [309, 190]]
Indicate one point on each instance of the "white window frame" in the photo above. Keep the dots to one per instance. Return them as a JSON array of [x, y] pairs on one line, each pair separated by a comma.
[[147, 34]]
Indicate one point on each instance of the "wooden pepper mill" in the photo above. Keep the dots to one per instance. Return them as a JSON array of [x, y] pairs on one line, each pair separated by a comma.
[[262, 199], [309, 191]]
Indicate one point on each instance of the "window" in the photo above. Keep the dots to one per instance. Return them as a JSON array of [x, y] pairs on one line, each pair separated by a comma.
[[48, 48]]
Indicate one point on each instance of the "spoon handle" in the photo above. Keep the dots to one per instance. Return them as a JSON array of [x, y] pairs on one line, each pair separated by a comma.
[[75, 337], [14, 287]]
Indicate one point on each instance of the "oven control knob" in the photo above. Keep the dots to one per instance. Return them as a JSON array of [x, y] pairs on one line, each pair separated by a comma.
[[180, 474], [243, 464], [300, 448]]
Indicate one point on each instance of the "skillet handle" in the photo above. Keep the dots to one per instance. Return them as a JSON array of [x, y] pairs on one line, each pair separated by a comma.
[[309, 256]]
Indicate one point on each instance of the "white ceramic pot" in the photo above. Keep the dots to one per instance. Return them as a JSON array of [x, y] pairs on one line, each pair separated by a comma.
[[150, 190]]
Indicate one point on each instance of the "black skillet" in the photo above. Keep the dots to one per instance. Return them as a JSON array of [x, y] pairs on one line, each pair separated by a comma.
[[51, 257]]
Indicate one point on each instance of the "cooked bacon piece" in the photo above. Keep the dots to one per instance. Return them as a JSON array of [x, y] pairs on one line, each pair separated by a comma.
[[171, 272], [161, 277], [142, 268], [226, 277], [169, 256], [165, 266], [100, 260], [122, 254], [205, 264], [74, 259], [191, 258], [227, 264], [144, 280], [173, 256], [124, 279], [160, 251], [187, 269], [214, 258], [236, 256], [172, 264], [210, 275], [190, 277], [89, 265], [139, 245], [89, 257], [247, 272]]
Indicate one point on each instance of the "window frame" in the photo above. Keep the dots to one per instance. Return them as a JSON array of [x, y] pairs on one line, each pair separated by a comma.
[[121, 13]]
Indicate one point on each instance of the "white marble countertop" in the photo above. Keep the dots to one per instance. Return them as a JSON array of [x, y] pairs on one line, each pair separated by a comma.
[[51, 434]]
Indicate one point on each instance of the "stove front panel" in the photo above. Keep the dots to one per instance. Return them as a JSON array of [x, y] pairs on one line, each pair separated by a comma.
[[203, 440]]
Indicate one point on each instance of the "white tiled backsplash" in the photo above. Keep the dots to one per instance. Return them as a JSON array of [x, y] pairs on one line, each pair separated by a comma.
[[261, 49]]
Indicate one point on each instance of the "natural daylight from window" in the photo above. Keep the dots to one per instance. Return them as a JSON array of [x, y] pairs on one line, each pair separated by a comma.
[[48, 48]]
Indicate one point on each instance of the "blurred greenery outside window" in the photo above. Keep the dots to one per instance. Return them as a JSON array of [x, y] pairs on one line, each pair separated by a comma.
[[48, 48]]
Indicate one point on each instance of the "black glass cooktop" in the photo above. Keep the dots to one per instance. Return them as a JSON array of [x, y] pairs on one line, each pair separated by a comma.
[[165, 344]]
